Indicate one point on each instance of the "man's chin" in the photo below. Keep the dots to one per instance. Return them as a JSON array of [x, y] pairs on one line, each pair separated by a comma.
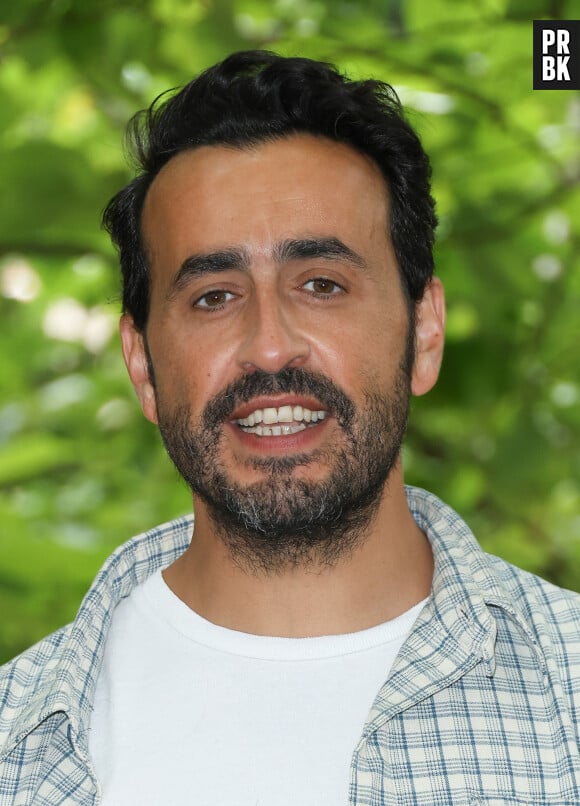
[[283, 521], [253, 470]]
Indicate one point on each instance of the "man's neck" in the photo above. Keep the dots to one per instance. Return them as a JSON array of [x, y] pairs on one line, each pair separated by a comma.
[[388, 572]]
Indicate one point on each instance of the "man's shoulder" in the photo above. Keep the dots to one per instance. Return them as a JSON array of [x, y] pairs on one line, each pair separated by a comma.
[[56, 672], [543, 603], [39, 655], [33, 662], [22, 678], [465, 572], [128, 566]]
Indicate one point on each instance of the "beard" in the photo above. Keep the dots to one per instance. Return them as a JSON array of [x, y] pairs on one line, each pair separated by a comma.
[[283, 520]]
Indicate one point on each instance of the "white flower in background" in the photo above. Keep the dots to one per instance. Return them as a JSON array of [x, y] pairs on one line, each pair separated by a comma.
[[68, 320], [547, 267], [556, 227], [65, 320], [114, 414], [99, 327], [136, 77], [434, 103], [19, 281], [564, 394], [66, 391]]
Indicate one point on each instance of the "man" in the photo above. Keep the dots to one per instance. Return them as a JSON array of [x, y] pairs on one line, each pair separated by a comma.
[[324, 635]]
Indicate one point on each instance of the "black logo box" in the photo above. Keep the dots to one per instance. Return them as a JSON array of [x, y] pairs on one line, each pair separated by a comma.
[[555, 70]]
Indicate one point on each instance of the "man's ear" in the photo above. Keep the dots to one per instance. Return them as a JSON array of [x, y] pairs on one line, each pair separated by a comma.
[[135, 357], [429, 338]]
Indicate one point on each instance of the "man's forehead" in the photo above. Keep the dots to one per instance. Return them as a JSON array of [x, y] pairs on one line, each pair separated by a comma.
[[298, 159], [217, 197]]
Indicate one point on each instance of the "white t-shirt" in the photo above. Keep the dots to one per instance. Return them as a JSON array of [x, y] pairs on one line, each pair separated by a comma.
[[187, 712]]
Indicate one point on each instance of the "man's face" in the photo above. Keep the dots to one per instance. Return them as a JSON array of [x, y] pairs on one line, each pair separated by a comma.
[[279, 336]]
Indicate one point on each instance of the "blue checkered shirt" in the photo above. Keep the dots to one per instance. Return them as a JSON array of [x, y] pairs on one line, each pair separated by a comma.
[[482, 705]]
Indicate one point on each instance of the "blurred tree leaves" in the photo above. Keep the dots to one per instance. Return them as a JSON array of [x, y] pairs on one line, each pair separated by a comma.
[[81, 471]]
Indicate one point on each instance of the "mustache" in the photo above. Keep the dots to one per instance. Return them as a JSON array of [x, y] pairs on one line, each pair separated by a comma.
[[291, 380]]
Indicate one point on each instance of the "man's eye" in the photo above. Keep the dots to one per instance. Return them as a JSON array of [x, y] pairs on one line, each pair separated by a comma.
[[323, 287], [214, 299]]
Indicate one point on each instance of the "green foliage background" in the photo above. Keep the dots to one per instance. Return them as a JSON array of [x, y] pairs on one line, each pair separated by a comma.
[[81, 471]]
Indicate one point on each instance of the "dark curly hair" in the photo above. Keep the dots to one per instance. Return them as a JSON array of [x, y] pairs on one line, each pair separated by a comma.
[[258, 96]]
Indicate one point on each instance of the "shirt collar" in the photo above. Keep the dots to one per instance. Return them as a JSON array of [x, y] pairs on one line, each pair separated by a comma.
[[468, 584], [463, 579], [457, 629]]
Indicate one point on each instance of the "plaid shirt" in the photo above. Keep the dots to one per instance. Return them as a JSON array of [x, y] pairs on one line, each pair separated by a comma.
[[482, 705]]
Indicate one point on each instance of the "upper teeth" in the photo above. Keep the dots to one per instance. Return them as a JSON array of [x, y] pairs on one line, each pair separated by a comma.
[[283, 414]]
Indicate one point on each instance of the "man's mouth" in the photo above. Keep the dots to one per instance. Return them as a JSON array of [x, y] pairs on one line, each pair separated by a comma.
[[280, 422]]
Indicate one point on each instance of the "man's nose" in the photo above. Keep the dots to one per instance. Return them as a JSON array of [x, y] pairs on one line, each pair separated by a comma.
[[272, 338]]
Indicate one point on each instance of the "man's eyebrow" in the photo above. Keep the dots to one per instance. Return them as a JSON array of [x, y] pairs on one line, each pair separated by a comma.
[[317, 247], [207, 263], [234, 259]]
